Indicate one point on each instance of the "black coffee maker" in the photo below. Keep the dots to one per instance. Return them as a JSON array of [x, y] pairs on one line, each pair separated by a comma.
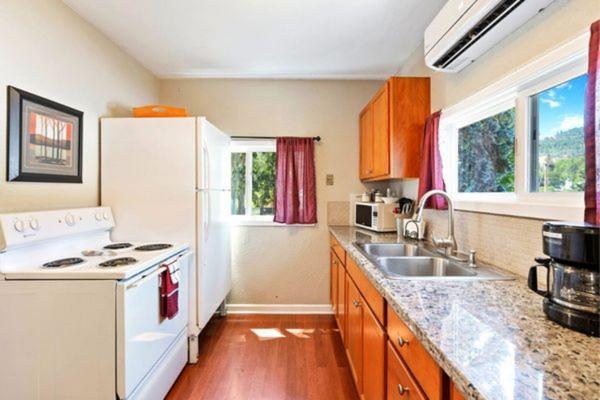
[[572, 298]]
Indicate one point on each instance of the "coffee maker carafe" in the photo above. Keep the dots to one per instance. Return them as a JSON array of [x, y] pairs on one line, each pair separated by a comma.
[[572, 298]]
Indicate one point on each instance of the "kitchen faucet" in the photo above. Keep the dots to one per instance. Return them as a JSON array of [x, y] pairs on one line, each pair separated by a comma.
[[448, 243]]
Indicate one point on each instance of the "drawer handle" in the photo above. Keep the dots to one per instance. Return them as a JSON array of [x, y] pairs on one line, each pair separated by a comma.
[[402, 342], [356, 303], [402, 390]]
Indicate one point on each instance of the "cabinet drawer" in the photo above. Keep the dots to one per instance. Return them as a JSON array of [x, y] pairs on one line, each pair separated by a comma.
[[371, 295], [338, 249], [429, 375], [400, 383]]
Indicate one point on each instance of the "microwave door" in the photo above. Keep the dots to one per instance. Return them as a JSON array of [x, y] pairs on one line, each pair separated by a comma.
[[364, 215]]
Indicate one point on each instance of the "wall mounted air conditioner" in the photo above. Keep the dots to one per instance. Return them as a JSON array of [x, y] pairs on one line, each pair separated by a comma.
[[465, 29]]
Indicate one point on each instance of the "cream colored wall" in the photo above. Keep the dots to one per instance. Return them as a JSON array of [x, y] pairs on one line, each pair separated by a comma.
[[287, 265], [507, 242], [46, 49]]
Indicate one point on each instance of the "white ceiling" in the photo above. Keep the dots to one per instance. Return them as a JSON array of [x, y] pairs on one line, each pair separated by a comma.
[[338, 39]]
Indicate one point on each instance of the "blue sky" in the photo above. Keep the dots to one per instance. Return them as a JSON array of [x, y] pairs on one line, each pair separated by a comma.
[[561, 107]]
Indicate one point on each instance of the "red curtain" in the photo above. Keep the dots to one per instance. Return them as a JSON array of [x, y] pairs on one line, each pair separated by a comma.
[[430, 176], [295, 190], [591, 130]]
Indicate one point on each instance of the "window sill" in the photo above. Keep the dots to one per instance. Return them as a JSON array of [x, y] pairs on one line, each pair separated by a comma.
[[265, 223], [564, 212]]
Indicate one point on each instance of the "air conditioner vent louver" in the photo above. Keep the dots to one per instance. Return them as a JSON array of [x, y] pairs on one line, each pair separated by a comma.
[[465, 29], [487, 23]]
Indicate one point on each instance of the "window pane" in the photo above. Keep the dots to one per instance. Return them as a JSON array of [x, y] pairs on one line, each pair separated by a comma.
[[238, 183], [557, 143], [486, 155], [263, 183]]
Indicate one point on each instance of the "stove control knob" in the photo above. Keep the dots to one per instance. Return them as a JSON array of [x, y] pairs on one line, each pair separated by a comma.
[[106, 215], [19, 225], [70, 220], [98, 216], [35, 224]]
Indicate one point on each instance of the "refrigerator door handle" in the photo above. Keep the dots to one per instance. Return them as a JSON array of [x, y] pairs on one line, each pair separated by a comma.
[[206, 195]]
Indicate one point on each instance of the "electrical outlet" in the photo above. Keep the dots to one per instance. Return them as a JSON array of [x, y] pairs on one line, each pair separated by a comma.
[[329, 179]]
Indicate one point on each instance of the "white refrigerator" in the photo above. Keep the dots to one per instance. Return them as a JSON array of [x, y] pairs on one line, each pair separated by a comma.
[[170, 179]]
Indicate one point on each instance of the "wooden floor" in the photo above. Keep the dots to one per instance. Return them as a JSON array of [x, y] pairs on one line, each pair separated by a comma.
[[268, 357]]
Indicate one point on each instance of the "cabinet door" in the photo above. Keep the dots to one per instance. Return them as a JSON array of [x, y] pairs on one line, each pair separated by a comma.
[[341, 301], [381, 132], [366, 143], [454, 393], [374, 341], [354, 333], [333, 287], [400, 383]]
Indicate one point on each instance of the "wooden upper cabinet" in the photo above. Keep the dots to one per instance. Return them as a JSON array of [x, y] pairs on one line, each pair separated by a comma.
[[391, 129], [381, 132], [366, 143]]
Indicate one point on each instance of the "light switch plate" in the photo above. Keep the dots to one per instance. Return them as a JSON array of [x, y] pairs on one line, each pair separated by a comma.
[[329, 179]]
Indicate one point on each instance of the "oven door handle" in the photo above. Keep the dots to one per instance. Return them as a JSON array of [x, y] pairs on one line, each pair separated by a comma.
[[146, 278]]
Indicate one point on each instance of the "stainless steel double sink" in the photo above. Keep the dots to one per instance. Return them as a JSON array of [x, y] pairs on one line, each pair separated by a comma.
[[409, 261]]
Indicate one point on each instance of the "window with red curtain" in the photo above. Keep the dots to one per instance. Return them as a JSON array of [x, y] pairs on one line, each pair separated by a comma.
[[591, 131], [295, 181]]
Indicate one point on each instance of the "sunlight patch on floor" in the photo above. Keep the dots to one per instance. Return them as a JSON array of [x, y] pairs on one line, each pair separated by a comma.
[[268, 334], [301, 333]]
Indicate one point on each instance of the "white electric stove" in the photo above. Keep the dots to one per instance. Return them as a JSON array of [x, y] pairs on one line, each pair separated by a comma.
[[81, 314]]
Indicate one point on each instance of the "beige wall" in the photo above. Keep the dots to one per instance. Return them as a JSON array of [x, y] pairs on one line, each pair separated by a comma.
[[287, 265], [508, 242], [46, 49]]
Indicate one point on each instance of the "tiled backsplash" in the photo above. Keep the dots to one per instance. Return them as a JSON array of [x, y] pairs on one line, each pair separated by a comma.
[[507, 242], [338, 213]]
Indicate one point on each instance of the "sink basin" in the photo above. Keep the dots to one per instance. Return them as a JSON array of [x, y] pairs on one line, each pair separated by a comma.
[[389, 249], [403, 267], [408, 261]]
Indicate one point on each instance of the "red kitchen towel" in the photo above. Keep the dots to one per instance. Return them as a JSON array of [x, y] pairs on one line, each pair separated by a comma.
[[169, 293]]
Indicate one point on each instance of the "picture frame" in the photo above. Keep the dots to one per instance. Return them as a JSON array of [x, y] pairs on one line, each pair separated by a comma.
[[44, 139]]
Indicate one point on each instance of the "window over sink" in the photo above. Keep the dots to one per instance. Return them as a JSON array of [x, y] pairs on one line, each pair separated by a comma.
[[252, 181], [516, 147]]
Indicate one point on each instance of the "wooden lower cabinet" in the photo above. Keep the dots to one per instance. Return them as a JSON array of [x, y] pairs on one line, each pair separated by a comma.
[[374, 340], [423, 367], [454, 393], [354, 332], [340, 310], [333, 287], [386, 359], [400, 383]]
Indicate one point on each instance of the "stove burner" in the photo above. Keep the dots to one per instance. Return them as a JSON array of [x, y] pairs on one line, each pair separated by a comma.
[[118, 262], [64, 262], [117, 246], [153, 247]]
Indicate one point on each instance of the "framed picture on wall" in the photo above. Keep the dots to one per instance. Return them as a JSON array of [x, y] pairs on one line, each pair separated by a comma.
[[45, 139]]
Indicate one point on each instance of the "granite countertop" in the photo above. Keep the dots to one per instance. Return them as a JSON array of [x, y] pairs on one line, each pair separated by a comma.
[[491, 337]]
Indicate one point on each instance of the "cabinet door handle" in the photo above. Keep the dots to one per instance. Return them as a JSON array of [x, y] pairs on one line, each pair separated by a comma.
[[402, 390], [356, 303], [402, 342]]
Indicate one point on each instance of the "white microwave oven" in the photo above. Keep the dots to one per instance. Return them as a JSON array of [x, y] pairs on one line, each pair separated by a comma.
[[378, 217]]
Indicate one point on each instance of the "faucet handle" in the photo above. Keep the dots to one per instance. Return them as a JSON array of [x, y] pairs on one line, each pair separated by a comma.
[[472, 260]]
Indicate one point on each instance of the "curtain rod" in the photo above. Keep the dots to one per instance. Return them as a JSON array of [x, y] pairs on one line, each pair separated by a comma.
[[315, 138]]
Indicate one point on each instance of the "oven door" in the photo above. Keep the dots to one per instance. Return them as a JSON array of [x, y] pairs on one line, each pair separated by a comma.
[[363, 215], [142, 335]]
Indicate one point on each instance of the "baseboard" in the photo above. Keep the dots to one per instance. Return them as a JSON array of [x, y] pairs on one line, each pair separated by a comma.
[[279, 309]]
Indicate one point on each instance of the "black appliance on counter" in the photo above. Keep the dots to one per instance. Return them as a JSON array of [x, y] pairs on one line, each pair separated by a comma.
[[572, 298]]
